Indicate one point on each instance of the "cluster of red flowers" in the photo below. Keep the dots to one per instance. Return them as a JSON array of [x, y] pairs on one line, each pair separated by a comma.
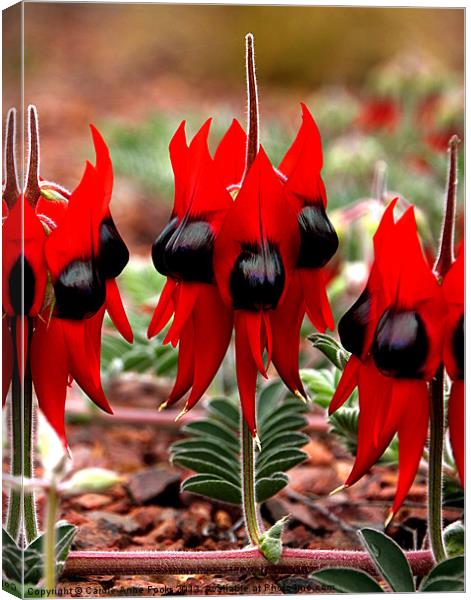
[[253, 263], [61, 255], [399, 330]]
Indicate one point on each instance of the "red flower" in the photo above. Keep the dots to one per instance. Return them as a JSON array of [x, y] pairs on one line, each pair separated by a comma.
[[71, 242], [184, 250], [453, 356], [257, 261], [395, 334]]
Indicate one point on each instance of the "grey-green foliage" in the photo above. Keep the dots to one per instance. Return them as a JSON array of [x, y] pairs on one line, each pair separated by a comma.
[[393, 567], [140, 285], [25, 567], [211, 446]]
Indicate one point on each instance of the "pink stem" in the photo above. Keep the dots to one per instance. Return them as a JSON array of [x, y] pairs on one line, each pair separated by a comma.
[[248, 560]]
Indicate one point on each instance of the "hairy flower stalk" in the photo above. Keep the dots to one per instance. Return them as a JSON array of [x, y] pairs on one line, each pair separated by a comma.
[[445, 259]]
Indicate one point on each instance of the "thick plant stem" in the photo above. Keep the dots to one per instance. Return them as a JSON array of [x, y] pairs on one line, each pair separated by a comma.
[[442, 265], [21, 508], [16, 447], [50, 538], [30, 520], [437, 432], [249, 502]]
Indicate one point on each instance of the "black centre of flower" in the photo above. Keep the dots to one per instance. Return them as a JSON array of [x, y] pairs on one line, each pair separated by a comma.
[[319, 241], [80, 290], [458, 346], [185, 251], [352, 326], [15, 286], [114, 255], [258, 278], [400, 345]]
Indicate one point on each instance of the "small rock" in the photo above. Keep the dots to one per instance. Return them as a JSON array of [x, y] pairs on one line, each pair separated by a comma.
[[152, 485], [115, 522], [92, 501]]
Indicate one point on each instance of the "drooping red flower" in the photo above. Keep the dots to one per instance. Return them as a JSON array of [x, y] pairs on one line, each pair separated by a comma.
[[72, 255], [301, 171], [395, 334], [183, 251], [267, 248], [254, 260], [453, 356]]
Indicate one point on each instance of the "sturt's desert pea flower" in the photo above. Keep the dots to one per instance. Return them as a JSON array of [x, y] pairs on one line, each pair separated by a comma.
[[184, 252], [71, 257], [395, 333], [244, 249], [453, 356]]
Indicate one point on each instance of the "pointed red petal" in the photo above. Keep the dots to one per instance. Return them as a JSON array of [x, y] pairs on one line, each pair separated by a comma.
[[412, 435], [21, 345], [246, 374], [185, 298], [7, 358], [104, 167], [252, 321], [83, 339], [456, 425], [346, 385], [286, 323], [178, 150], [303, 162], [229, 157], [50, 369], [164, 309], [315, 296], [212, 322], [186, 364], [115, 308]]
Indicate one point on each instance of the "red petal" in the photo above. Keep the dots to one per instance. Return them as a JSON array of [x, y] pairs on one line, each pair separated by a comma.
[[315, 296], [83, 339], [246, 370], [178, 150], [303, 162], [286, 323], [7, 358], [346, 385], [412, 434], [104, 167], [230, 155], [50, 369], [21, 345], [164, 309], [212, 323], [253, 326], [115, 308], [456, 424], [184, 299], [186, 364]]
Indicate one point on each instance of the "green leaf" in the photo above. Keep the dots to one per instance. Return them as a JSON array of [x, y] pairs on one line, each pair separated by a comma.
[[444, 584], [269, 397], [349, 581], [449, 568], [453, 536], [11, 558], [208, 485], [207, 455], [284, 423], [331, 349], [284, 439], [213, 429], [225, 410], [282, 461], [344, 424], [267, 487], [389, 559], [202, 444], [270, 542], [204, 466]]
